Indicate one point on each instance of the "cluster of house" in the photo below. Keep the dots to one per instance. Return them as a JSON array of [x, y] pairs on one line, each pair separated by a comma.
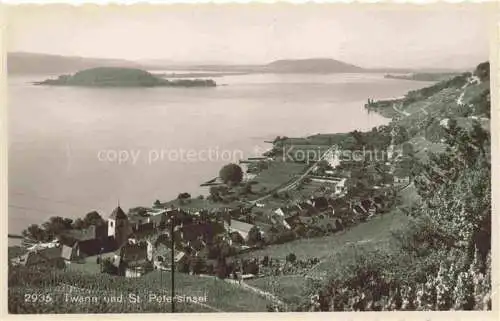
[[196, 228], [316, 213], [326, 214], [119, 237]]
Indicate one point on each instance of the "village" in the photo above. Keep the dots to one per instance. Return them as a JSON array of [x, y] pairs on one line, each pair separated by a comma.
[[276, 200]]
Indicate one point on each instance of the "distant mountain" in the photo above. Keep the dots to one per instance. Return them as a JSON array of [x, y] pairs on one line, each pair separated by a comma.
[[315, 65], [36, 63]]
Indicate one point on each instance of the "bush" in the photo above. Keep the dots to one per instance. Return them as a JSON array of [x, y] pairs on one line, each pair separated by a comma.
[[254, 236], [183, 196], [483, 71], [108, 267], [291, 258]]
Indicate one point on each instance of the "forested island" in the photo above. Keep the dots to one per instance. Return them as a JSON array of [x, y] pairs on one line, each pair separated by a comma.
[[122, 77]]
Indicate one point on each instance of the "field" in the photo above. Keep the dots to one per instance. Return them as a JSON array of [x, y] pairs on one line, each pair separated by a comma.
[[276, 175], [422, 147], [378, 229], [220, 295], [376, 233], [307, 190], [288, 287], [409, 195]]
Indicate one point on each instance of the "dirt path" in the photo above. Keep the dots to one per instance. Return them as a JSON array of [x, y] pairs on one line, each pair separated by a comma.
[[258, 291], [399, 111]]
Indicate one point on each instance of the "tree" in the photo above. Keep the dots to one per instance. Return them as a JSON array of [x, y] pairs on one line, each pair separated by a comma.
[[231, 174], [54, 226], [68, 223], [215, 194], [157, 203], [483, 71], [35, 233], [222, 268], [93, 218], [108, 267], [291, 258], [183, 196], [358, 138], [400, 135], [197, 265], [265, 260], [78, 224]]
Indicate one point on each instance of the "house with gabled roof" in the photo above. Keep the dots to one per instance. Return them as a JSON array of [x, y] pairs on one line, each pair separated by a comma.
[[46, 257], [134, 258], [204, 231], [242, 228], [69, 253], [401, 176], [341, 187], [286, 211]]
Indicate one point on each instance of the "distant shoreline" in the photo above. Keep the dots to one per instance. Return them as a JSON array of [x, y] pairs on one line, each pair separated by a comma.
[[120, 77], [199, 74]]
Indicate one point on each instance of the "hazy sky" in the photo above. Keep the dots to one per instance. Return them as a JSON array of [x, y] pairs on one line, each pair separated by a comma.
[[403, 36]]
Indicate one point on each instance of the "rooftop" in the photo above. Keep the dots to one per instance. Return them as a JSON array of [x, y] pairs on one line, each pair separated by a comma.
[[118, 213], [134, 252], [241, 226], [41, 256]]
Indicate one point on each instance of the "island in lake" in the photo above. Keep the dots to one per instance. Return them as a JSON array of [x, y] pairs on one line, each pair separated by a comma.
[[122, 77]]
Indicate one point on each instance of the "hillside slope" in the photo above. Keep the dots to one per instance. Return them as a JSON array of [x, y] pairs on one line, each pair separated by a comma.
[[440, 260]]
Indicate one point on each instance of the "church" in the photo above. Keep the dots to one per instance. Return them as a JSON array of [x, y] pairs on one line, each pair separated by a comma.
[[97, 239], [119, 227]]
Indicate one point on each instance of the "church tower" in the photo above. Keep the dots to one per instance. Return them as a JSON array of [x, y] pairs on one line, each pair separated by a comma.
[[118, 226]]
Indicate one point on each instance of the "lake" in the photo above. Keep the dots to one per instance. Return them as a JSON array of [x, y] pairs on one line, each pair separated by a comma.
[[74, 150]]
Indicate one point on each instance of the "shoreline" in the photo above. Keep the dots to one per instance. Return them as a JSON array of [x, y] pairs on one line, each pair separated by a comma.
[[211, 182], [201, 180]]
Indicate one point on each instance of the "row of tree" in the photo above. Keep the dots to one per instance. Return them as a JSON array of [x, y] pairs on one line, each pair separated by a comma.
[[55, 225]]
